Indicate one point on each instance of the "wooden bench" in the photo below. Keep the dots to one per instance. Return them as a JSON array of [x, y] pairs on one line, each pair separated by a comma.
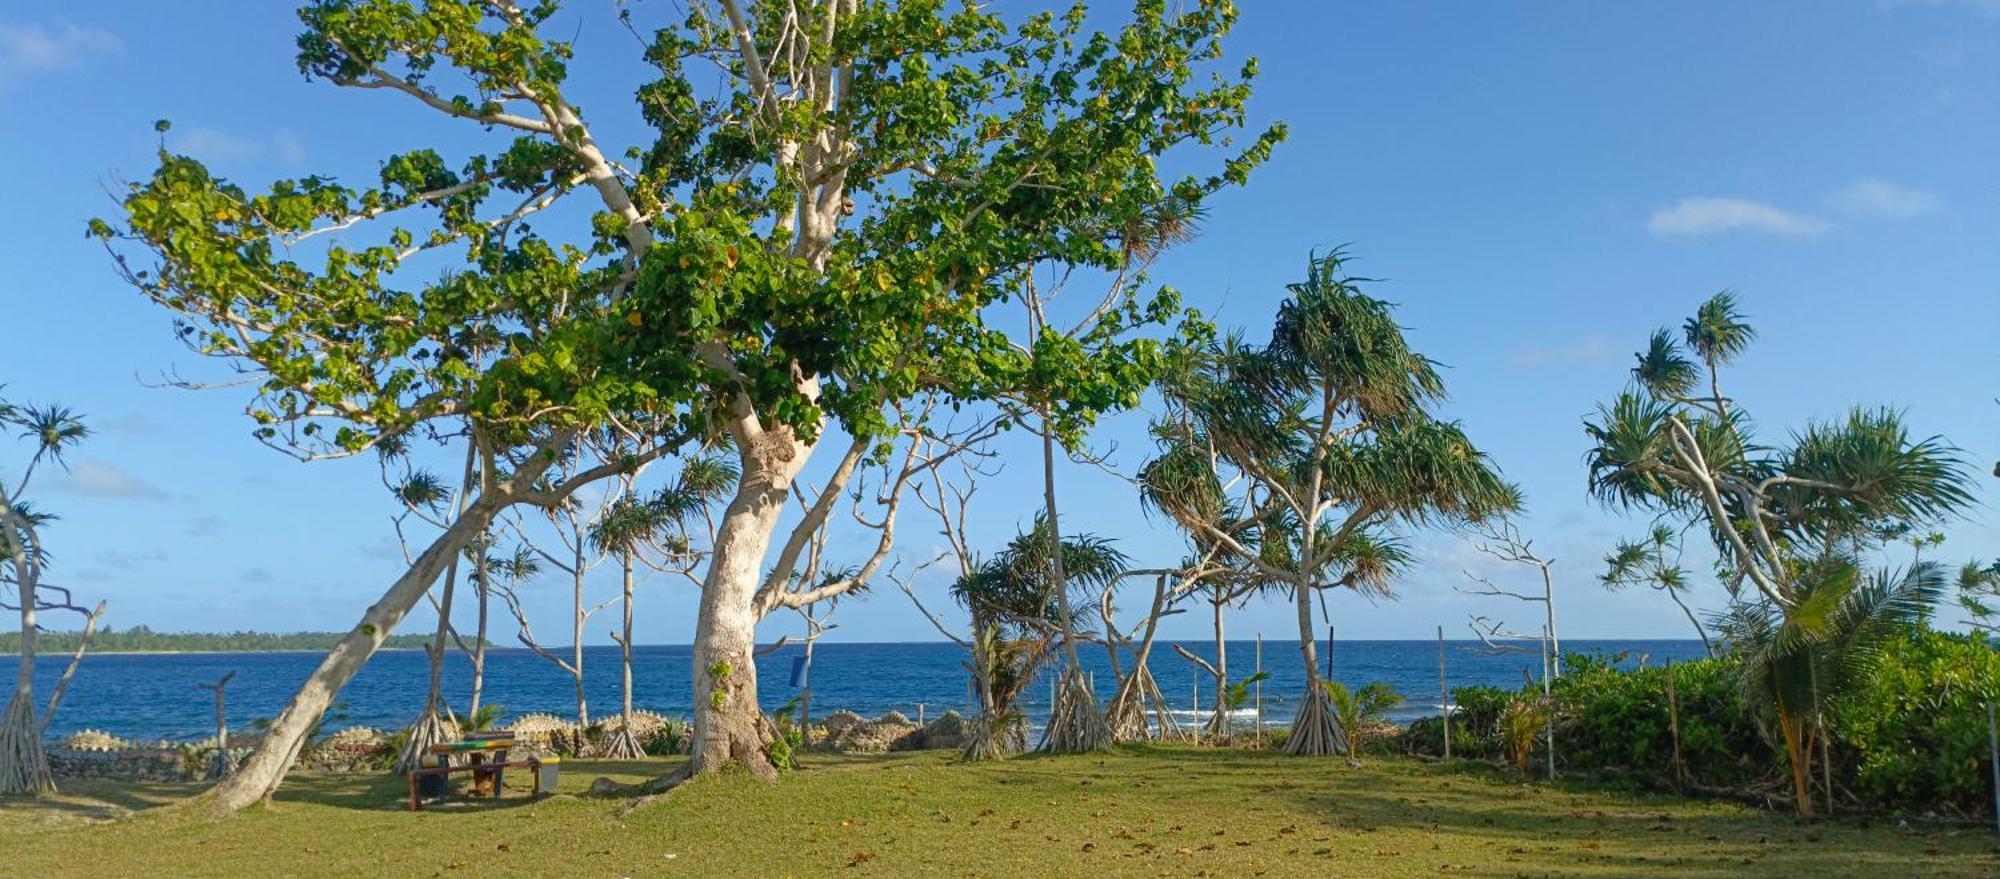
[[481, 769]]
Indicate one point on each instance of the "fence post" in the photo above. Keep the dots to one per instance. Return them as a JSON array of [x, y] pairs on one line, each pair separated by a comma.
[[1444, 691], [1993, 750], [1260, 688], [1674, 729]]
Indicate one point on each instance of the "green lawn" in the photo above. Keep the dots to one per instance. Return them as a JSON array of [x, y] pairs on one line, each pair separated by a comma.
[[1136, 812]]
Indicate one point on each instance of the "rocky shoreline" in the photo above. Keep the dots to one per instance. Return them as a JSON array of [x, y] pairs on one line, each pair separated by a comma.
[[96, 755]]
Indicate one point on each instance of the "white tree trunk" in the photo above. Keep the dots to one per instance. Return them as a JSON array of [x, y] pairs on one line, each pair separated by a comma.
[[484, 587], [728, 724], [261, 774]]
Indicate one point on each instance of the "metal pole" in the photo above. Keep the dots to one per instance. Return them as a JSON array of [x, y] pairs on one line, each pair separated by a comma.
[[1445, 695]]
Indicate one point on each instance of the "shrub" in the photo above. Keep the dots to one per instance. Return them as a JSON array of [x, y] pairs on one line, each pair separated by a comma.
[[1473, 726], [1913, 734], [1618, 719]]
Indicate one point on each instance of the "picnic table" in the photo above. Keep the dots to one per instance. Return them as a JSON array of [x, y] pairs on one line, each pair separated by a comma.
[[486, 758]]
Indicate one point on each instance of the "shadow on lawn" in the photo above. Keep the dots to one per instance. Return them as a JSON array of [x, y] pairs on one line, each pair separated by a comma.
[[1597, 830], [105, 800]]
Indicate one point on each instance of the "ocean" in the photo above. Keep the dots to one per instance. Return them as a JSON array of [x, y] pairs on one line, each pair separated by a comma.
[[153, 696]]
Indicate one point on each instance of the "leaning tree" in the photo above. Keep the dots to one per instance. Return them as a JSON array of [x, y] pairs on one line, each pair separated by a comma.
[[51, 431], [829, 200], [1798, 525], [1319, 443]]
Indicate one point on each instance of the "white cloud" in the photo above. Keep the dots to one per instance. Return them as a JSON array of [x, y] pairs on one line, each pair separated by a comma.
[[1587, 350], [1870, 198], [211, 145], [1707, 215], [98, 479], [26, 50]]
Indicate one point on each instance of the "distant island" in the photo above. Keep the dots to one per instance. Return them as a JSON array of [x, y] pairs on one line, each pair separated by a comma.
[[141, 639]]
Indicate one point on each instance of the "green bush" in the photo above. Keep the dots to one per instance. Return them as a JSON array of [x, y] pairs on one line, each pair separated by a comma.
[[1474, 726], [1913, 735], [1613, 719]]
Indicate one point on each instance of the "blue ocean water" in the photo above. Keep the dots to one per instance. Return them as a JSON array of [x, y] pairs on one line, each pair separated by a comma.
[[157, 695]]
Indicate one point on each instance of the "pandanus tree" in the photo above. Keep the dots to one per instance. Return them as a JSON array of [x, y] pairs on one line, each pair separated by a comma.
[[828, 200], [1795, 524], [1324, 440], [50, 431], [1017, 622]]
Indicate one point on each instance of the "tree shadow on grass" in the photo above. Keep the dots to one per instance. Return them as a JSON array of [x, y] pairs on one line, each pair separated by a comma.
[[103, 800], [1509, 826]]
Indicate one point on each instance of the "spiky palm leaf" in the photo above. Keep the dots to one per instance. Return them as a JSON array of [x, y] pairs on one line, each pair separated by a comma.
[[1663, 370], [1717, 332]]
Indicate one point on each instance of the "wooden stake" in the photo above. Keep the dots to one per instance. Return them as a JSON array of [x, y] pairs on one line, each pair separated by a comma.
[[1260, 687], [1444, 691], [1993, 753], [1674, 729]]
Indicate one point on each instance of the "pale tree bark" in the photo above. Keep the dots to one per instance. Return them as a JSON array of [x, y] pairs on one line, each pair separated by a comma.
[[429, 727], [259, 776], [482, 585], [24, 765], [625, 744], [264, 771], [729, 727]]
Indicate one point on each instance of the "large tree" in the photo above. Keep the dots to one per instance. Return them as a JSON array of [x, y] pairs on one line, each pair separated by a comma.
[[829, 200], [1300, 456], [1800, 522]]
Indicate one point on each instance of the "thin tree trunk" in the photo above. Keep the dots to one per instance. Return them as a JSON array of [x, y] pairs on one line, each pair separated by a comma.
[[24, 765], [1076, 725], [1706, 645], [576, 631], [626, 744], [625, 648], [261, 774], [1315, 732], [1225, 726], [1797, 751], [428, 729], [484, 589]]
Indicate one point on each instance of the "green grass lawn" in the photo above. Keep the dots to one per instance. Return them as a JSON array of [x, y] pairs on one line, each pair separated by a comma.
[[1135, 812]]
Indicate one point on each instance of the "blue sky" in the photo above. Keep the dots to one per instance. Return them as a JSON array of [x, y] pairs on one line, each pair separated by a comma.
[[1539, 185]]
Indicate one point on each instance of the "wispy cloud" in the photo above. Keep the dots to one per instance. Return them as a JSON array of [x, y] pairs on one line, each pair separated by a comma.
[[1872, 199], [98, 479], [204, 526], [258, 576], [28, 50], [1710, 215], [1590, 349], [126, 561], [212, 145]]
